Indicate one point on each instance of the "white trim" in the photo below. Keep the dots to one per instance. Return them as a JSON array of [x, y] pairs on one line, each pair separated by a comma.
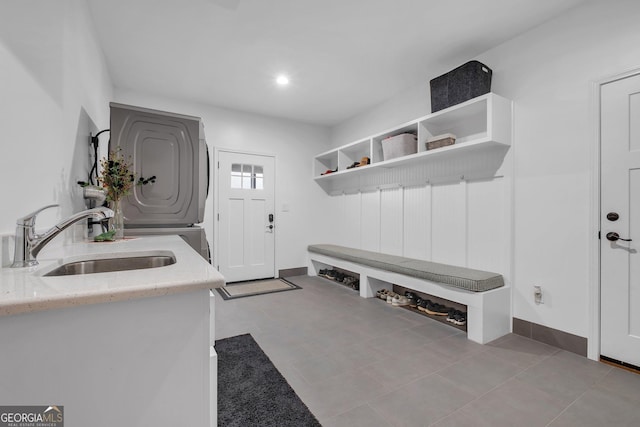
[[593, 343], [216, 201]]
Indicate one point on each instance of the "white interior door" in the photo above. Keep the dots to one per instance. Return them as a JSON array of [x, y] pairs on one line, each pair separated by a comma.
[[246, 224], [620, 214]]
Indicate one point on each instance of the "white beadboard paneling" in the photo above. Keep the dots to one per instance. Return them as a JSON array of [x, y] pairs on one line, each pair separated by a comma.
[[417, 222], [370, 223], [448, 226], [487, 226], [351, 220], [391, 221], [336, 211]]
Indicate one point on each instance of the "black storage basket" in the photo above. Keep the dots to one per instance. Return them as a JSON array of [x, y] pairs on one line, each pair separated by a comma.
[[461, 84]]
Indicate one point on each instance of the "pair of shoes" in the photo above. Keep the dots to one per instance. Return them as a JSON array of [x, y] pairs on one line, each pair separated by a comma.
[[457, 317], [354, 165], [436, 309], [352, 282], [364, 161], [422, 305], [399, 301], [390, 296], [382, 294], [329, 274], [412, 299], [328, 171]]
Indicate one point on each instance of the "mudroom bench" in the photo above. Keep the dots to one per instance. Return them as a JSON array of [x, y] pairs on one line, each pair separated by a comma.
[[485, 294]]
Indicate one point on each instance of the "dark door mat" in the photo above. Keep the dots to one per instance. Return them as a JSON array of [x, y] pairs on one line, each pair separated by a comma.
[[252, 392]]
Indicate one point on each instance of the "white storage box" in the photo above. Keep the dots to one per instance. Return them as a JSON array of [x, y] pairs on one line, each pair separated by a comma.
[[399, 145]]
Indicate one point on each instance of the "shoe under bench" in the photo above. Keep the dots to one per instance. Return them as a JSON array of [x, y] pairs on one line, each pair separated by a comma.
[[488, 311]]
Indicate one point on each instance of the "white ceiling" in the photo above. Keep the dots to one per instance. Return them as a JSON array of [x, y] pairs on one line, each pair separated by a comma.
[[343, 56]]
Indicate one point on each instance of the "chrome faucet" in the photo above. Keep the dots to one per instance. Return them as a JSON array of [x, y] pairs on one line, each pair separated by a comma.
[[29, 244]]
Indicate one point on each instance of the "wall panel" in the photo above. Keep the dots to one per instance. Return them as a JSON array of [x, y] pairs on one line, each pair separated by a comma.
[[350, 221], [391, 221], [487, 226], [417, 222], [448, 224], [370, 221]]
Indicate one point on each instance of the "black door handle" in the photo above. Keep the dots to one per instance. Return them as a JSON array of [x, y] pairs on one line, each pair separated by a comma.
[[613, 236]]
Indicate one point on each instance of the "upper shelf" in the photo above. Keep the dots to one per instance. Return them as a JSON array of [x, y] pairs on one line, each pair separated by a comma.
[[481, 125]]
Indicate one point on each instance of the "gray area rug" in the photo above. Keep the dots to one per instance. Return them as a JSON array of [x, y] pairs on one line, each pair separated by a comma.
[[251, 391], [258, 287]]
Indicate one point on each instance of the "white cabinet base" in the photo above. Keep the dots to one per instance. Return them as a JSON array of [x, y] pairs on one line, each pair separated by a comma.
[[141, 362]]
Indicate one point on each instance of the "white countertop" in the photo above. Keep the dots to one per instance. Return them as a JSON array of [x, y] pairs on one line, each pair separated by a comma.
[[24, 290]]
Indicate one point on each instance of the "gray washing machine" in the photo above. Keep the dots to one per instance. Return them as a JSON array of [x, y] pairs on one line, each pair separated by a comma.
[[171, 147]]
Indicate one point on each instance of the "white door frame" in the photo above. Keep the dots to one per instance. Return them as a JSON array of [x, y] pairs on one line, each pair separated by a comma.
[[593, 343], [216, 198]]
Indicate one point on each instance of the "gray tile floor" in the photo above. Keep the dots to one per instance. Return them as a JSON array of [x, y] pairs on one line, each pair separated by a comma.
[[362, 362]]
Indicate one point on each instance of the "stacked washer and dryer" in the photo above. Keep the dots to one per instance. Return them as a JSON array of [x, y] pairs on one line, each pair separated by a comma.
[[172, 148]]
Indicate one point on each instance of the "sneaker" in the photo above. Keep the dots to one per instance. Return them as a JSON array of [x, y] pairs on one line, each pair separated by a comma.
[[364, 161], [412, 299], [451, 315], [423, 305], [354, 165], [399, 301], [460, 318], [436, 309]]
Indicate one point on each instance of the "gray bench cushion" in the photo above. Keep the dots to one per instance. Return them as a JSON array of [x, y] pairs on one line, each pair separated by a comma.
[[459, 277]]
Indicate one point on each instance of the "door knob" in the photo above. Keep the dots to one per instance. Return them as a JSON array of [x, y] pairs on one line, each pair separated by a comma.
[[613, 236]]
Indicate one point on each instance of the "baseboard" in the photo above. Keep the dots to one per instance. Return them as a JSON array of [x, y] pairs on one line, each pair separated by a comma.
[[288, 272], [554, 337]]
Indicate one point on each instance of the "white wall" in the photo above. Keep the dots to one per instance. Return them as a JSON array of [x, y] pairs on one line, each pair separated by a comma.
[[549, 72], [54, 90], [294, 145]]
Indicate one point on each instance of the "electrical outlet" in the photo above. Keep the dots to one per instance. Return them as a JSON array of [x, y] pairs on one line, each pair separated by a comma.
[[537, 295]]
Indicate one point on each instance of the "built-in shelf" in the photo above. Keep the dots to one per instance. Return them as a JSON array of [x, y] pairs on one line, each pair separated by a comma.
[[483, 135]]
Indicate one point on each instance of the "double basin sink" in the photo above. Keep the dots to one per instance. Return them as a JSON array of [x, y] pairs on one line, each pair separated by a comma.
[[123, 262]]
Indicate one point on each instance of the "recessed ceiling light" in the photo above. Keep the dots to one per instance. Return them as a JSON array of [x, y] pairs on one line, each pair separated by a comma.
[[282, 80]]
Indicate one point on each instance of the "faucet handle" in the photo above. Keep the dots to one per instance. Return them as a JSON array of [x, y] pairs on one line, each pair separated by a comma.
[[29, 220]]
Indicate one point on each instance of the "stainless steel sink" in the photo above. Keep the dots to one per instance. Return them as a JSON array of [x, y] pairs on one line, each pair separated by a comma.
[[113, 264]]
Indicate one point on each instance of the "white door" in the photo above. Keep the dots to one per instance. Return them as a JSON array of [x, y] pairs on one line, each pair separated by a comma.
[[246, 224], [620, 214]]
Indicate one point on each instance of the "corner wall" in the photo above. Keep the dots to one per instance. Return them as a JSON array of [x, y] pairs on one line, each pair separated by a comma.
[[549, 73], [54, 90]]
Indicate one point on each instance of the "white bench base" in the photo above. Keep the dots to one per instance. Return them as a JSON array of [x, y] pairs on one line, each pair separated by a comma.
[[488, 312]]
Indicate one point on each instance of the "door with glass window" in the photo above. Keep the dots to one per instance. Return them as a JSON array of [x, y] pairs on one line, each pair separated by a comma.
[[246, 222]]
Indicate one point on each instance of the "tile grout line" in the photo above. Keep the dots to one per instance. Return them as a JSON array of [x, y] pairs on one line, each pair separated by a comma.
[[568, 406]]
